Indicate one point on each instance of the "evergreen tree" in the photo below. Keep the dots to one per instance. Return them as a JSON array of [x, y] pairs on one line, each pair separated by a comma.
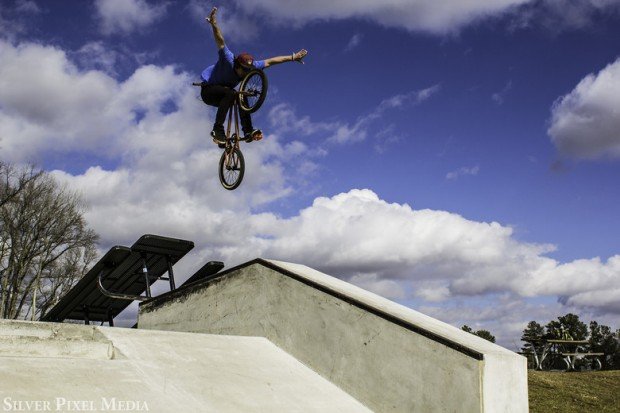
[[567, 327], [604, 340], [533, 331], [485, 334]]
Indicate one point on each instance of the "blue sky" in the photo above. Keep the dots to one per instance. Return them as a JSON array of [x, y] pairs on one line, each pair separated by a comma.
[[462, 160]]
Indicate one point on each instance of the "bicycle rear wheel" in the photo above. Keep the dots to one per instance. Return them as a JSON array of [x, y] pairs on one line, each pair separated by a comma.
[[253, 91], [232, 168]]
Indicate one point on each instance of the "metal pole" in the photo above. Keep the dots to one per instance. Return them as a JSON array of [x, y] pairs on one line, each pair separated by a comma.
[[110, 318], [145, 271], [170, 273], [86, 319]]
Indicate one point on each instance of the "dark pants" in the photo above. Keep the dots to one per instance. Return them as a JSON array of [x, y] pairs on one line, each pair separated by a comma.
[[223, 97]]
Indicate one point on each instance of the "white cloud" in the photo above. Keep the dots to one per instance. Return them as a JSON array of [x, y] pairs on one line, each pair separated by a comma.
[[387, 137], [110, 59], [505, 315], [235, 25], [17, 19], [561, 15], [27, 6], [432, 291], [284, 118], [466, 170], [52, 109], [64, 109], [358, 131], [360, 237], [354, 42], [391, 289], [126, 16], [414, 15], [586, 122], [498, 97], [96, 56], [342, 233], [599, 301], [439, 17]]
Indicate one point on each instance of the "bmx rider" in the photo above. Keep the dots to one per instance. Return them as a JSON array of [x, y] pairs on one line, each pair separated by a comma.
[[220, 79]]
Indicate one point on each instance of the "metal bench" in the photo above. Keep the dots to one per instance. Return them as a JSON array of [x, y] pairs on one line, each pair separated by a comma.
[[120, 277], [207, 270]]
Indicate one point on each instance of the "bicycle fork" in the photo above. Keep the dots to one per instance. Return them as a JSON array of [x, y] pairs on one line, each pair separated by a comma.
[[233, 112], [232, 141]]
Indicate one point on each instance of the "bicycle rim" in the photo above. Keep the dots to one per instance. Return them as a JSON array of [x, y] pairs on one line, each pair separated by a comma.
[[254, 86], [232, 168]]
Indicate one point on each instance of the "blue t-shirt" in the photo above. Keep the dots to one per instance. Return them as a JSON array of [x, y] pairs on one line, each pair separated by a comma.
[[223, 72]]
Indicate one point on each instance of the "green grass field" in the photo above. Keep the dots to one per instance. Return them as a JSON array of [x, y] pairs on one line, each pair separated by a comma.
[[597, 391]]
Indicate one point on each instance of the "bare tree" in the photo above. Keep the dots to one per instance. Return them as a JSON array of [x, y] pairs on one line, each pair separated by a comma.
[[12, 181], [45, 243]]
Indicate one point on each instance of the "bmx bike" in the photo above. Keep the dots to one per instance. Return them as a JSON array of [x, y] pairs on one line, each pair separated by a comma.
[[249, 98]]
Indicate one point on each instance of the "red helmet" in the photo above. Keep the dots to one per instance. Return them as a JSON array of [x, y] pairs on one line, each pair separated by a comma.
[[245, 60]]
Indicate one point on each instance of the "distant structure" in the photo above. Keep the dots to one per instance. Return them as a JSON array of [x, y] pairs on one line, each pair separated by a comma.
[[265, 336]]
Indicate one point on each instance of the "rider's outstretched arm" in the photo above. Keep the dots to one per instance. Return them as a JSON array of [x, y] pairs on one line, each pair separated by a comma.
[[217, 33], [294, 57]]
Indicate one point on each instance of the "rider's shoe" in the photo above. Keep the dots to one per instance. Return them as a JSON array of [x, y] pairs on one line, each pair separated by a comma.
[[218, 136], [255, 135]]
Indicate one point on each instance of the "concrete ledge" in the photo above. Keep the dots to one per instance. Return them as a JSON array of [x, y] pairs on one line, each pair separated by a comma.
[[388, 356], [52, 340]]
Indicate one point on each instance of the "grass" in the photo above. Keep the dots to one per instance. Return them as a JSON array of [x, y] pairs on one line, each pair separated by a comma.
[[592, 391]]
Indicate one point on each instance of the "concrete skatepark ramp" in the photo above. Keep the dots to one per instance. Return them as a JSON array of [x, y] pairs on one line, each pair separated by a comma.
[[265, 336], [63, 367], [387, 356]]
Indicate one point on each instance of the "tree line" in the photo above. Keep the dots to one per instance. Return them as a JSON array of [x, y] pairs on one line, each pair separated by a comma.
[[46, 245]]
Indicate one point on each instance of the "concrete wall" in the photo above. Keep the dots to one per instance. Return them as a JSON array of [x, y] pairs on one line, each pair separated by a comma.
[[387, 356]]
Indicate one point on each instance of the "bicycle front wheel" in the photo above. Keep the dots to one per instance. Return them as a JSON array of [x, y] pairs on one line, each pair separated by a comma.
[[232, 168], [253, 91]]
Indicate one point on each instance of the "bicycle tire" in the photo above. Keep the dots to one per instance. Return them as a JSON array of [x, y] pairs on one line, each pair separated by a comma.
[[231, 171], [255, 82]]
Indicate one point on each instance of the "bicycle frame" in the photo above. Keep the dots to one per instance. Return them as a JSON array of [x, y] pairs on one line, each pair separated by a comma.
[[232, 165], [233, 112], [232, 141]]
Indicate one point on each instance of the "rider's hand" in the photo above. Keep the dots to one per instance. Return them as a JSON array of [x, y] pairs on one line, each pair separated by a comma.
[[211, 17], [300, 55]]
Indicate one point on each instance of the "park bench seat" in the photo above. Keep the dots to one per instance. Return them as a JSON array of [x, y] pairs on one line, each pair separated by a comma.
[[207, 270], [118, 278], [582, 354]]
